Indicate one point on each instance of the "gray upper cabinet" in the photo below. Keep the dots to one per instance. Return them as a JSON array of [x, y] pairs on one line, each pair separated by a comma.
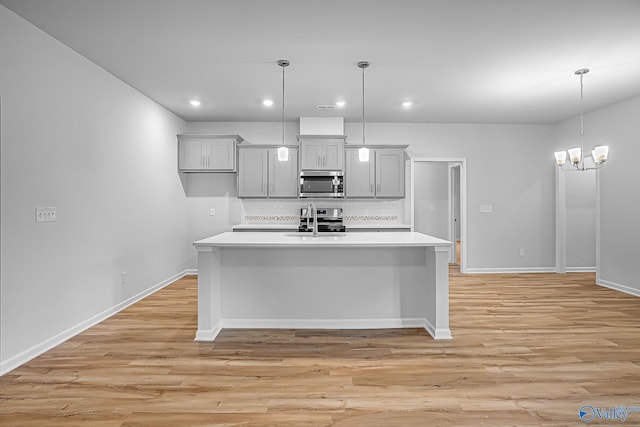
[[390, 173], [262, 175], [283, 176], [207, 153], [360, 177], [382, 176], [252, 172], [321, 152]]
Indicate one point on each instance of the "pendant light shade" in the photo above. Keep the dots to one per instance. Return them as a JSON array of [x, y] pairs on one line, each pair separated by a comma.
[[363, 153], [283, 152], [575, 155], [561, 157], [599, 154]]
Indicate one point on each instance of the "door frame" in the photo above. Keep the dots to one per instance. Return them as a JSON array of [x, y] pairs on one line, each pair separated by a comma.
[[452, 224], [561, 222], [462, 161]]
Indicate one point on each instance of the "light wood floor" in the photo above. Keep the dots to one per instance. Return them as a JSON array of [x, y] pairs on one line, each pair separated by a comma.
[[528, 349]]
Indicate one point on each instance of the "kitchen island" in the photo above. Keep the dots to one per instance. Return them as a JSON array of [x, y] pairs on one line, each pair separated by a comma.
[[332, 281]]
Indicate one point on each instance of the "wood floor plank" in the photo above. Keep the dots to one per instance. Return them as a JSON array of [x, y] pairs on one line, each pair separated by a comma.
[[528, 349]]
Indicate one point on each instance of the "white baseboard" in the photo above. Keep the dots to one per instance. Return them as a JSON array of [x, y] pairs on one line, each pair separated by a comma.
[[190, 271], [35, 351], [510, 270], [618, 287], [437, 334], [581, 269], [208, 335], [323, 323]]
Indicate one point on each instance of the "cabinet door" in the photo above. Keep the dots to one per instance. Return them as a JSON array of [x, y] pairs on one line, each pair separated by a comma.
[[191, 155], [283, 175], [221, 154], [310, 154], [252, 172], [389, 173], [333, 155], [359, 176]]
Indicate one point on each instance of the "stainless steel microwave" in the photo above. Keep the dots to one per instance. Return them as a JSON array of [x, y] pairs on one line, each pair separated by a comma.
[[322, 184]]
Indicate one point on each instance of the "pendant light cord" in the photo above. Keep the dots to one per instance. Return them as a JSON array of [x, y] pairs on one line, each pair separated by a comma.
[[283, 105], [363, 105], [363, 65], [581, 72], [581, 109], [283, 63]]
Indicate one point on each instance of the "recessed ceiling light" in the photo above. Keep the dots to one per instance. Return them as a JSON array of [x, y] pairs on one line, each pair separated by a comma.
[[340, 104], [267, 102], [195, 103], [407, 104]]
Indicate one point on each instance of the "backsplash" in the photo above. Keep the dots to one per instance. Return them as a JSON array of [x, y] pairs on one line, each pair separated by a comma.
[[373, 212]]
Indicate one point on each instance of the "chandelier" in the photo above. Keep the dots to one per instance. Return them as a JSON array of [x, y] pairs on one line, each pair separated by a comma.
[[598, 155]]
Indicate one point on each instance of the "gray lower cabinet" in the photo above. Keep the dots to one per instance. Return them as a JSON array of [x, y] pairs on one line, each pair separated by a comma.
[[262, 175], [383, 176]]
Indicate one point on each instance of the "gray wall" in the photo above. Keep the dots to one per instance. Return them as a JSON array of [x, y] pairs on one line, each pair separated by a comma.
[[619, 127], [431, 198], [75, 137]]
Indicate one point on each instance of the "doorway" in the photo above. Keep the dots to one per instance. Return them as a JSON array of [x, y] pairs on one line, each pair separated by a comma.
[[577, 220], [438, 202], [454, 210]]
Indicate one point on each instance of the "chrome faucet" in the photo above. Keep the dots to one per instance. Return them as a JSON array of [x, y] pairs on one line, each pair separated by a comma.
[[310, 208]]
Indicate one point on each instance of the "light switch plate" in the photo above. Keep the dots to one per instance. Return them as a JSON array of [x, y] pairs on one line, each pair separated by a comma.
[[212, 212]]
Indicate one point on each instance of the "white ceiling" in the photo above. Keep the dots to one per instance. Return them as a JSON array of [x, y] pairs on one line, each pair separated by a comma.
[[464, 61]]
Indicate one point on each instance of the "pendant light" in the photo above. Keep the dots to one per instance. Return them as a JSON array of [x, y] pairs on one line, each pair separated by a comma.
[[283, 152], [576, 155], [363, 153]]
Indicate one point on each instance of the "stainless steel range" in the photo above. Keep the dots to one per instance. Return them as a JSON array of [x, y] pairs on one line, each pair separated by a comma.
[[329, 220]]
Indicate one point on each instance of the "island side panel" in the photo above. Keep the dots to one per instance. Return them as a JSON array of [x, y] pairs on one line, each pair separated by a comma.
[[437, 282], [312, 287], [209, 293]]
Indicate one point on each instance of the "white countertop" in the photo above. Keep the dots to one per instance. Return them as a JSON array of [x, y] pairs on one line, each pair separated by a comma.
[[259, 227], [340, 240], [376, 226], [294, 227]]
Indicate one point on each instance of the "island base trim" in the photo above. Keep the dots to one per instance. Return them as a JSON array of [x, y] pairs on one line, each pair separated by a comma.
[[437, 334], [323, 323], [208, 335]]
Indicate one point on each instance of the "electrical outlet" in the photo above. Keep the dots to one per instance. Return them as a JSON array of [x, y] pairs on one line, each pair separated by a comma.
[[46, 214], [521, 251], [212, 212], [123, 278]]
